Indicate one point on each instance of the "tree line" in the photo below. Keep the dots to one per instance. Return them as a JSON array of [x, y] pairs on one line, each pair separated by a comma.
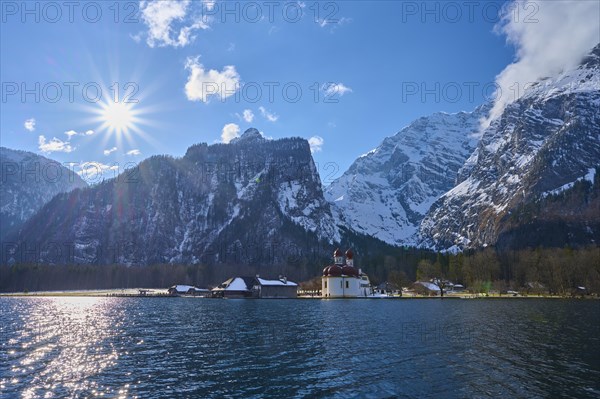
[[554, 270], [557, 271]]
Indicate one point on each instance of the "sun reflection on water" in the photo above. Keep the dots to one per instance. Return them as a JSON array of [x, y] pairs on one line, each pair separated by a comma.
[[61, 343]]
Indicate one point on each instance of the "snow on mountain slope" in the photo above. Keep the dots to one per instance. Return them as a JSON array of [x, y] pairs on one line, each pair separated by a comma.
[[28, 182], [239, 203], [386, 192], [547, 139]]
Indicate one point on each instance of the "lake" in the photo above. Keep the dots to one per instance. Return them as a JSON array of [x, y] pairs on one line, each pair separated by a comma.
[[79, 347]]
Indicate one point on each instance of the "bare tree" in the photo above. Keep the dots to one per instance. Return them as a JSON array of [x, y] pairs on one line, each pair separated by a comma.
[[426, 271]]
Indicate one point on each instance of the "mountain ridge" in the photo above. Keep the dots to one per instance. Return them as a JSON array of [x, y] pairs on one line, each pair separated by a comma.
[[29, 181], [544, 140], [236, 198], [400, 179]]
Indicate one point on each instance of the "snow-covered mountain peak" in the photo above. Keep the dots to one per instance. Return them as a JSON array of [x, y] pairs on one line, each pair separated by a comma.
[[545, 140], [583, 78], [387, 191]]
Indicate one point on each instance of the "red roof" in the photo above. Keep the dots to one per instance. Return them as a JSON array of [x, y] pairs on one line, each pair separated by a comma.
[[334, 271]]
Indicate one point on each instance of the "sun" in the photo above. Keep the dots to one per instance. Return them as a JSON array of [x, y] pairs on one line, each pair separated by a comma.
[[117, 117], [121, 120]]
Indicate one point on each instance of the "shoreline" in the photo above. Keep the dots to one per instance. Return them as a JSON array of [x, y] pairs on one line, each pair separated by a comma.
[[161, 293]]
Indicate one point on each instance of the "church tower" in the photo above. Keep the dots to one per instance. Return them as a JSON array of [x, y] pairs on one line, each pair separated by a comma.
[[342, 279]]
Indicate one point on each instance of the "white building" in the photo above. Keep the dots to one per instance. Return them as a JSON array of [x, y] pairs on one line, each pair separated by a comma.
[[256, 287], [343, 280], [281, 288]]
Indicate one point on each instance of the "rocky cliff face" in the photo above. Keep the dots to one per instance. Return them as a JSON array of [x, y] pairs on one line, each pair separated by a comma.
[[28, 182], [387, 192], [251, 201], [438, 183], [542, 144]]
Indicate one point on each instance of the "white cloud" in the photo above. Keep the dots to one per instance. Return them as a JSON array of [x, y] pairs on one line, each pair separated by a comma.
[[30, 124], [97, 165], [335, 89], [230, 131], [110, 151], [137, 37], [133, 152], [202, 84], [54, 145], [264, 136], [160, 16], [94, 172], [248, 115], [315, 142], [549, 38], [185, 35], [271, 117], [71, 133], [209, 4]]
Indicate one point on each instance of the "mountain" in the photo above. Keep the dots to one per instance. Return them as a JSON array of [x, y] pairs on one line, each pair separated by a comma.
[[28, 182], [253, 201], [388, 191], [568, 216], [541, 146]]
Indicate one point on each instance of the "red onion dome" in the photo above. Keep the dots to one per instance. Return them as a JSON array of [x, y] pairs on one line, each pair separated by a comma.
[[349, 271], [349, 254], [338, 253], [326, 271], [335, 271]]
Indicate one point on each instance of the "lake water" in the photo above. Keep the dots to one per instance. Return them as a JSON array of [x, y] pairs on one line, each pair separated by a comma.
[[202, 348]]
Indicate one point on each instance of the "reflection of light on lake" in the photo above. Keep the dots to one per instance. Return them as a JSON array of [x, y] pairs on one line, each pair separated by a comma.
[[64, 343], [182, 347]]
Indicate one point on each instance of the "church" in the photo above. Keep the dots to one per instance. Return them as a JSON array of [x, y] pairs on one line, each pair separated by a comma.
[[343, 280]]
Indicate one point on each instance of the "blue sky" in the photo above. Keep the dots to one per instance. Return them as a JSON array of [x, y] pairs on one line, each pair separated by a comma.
[[369, 56]]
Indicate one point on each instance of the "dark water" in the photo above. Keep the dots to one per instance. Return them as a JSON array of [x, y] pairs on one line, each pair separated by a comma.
[[199, 348]]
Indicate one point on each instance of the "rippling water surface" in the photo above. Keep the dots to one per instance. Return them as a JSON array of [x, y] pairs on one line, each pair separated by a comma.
[[198, 348]]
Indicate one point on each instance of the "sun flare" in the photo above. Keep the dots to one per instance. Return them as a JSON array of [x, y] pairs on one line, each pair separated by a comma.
[[120, 121], [117, 117]]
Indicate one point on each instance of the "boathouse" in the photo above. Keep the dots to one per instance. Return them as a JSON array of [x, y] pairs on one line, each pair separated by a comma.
[[256, 287], [281, 288], [235, 287]]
